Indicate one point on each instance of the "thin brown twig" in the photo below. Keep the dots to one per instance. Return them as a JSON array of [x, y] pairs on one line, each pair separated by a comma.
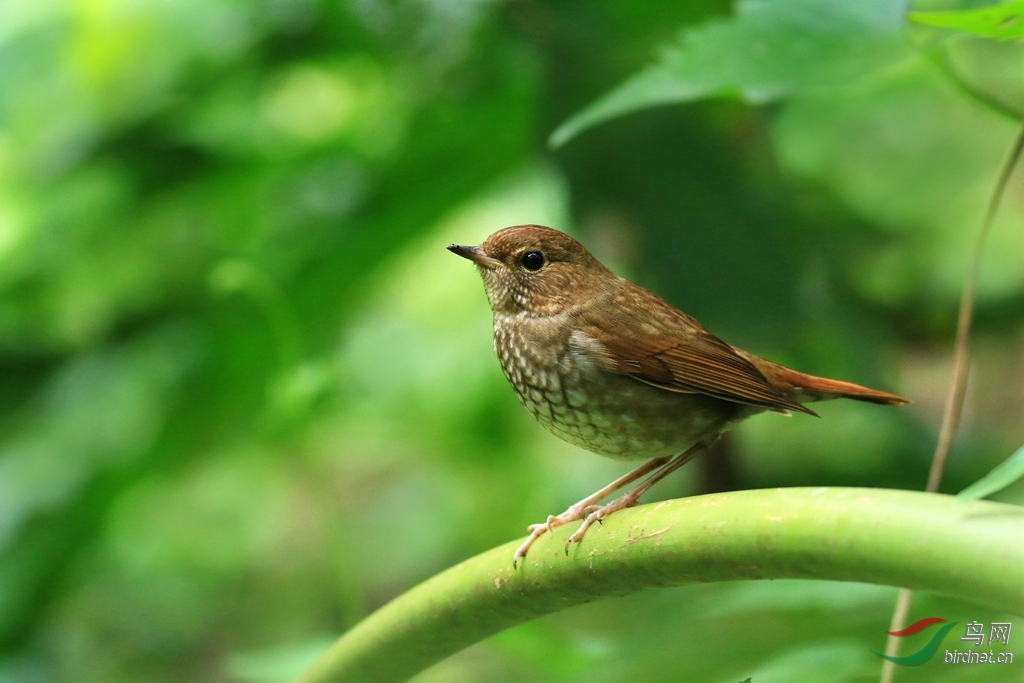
[[961, 355], [958, 386]]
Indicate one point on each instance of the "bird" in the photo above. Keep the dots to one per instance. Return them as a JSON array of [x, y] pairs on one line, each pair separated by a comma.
[[608, 366]]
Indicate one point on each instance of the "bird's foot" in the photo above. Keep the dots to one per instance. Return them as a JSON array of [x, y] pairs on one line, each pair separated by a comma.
[[596, 513], [587, 508], [575, 512]]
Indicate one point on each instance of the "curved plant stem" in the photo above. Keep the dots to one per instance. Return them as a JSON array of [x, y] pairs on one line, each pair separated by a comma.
[[902, 538]]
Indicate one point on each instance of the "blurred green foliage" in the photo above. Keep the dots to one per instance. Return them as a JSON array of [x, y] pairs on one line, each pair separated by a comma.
[[247, 396]]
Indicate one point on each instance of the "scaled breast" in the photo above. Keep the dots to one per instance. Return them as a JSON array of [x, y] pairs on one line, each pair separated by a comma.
[[563, 383]]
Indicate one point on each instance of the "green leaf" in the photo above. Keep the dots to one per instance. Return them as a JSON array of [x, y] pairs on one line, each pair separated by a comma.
[[768, 50], [1001, 476], [1003, 22]]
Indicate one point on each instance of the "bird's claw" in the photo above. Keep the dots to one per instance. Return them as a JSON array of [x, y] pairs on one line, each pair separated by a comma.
[[536, 530], [588, 513], [597, 513]]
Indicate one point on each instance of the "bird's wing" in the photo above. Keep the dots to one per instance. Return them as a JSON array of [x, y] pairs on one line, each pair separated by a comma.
[[656, 344]]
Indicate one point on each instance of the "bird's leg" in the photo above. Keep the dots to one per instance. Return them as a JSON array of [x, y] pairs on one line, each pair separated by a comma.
[[578, 510], [630, 498]]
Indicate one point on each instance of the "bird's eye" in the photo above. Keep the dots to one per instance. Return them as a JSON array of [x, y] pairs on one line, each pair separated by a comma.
[[533, 260]]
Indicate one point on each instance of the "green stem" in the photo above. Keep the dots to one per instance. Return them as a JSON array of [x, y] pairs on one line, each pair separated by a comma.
[[973, 550]]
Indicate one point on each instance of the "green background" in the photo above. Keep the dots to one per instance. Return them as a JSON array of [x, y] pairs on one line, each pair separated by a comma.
[[246, 396]]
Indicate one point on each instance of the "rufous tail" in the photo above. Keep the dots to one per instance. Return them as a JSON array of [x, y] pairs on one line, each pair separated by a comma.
[[810, 388]]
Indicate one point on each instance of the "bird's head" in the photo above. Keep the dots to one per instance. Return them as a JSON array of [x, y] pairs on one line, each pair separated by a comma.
[[535, 270]]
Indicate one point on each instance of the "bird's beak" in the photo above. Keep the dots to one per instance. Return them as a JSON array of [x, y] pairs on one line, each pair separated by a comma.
[[474, 254]]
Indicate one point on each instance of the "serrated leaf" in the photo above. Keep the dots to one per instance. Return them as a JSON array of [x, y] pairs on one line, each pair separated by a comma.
[[768, 50], [1002, 22], [1001, 476]]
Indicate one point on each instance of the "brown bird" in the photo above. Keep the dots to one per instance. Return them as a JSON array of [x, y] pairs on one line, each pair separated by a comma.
[[608, 366]]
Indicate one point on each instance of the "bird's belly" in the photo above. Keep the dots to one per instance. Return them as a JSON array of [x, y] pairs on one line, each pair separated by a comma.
[[622, 418], [606, 413]]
